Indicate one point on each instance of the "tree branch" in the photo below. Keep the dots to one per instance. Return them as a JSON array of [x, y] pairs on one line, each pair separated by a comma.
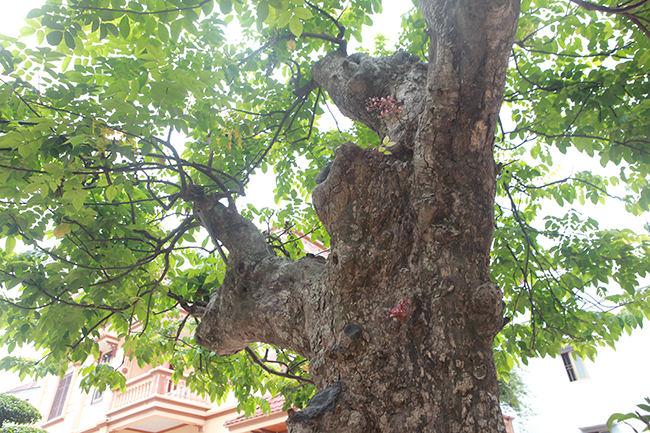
[[622, 11], [126, 11], [266, 368], [606, 9]]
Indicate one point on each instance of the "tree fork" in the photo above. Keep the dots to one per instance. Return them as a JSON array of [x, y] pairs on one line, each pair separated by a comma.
[[410, 231]]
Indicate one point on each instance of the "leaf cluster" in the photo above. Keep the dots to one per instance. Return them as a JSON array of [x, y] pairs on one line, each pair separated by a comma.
[[645, 419], [513, 391], [577, 90], [20, 429], [113, 114], [17, 411], [577, 87]]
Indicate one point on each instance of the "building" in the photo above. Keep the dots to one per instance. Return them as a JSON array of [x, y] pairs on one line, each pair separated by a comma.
[[151, 403], [28, 392], [571, 395]]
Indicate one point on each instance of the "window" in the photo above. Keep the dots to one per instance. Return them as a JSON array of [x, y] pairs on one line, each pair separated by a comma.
[[575, 367], [60, 397], [97, 395]]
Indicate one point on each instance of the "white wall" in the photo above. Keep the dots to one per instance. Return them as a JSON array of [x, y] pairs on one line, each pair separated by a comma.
[[618, 381]]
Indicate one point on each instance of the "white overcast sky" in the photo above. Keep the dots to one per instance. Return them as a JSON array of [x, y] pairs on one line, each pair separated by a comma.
[[260, 189], [388, 23]]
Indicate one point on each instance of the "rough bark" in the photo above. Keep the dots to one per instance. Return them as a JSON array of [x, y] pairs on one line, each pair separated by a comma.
[[414, 226]]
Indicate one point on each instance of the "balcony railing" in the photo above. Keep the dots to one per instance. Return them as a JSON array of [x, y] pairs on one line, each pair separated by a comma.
[[156, 382]]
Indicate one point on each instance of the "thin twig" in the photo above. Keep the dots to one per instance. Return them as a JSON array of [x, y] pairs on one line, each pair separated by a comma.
[[126, 11], [266, 368]]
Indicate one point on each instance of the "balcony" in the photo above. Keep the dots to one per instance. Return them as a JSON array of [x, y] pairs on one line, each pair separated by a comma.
[[157, 382], [153, 403]]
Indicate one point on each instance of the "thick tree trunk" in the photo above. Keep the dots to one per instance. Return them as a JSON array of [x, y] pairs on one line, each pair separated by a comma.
[[411, 228]]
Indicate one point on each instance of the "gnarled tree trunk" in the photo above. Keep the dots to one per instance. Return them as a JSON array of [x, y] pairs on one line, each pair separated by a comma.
[[414, 227]]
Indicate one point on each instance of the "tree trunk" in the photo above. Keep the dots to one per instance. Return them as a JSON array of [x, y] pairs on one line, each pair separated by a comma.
[[410, 238]]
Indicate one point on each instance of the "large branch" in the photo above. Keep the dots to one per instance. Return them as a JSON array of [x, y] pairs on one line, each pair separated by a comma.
[[453, 152], [469, 49], [263, 298], [352, 80], [239, 235], [468, 58]]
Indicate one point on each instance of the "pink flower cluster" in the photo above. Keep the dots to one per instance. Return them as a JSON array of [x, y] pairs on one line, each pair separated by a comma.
[[402, 312], [386, 106]]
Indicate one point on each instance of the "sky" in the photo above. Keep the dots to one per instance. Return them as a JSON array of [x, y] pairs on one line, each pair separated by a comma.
[[260, 188]]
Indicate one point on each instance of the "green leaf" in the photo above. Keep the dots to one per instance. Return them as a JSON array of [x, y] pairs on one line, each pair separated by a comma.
[[125, 27], [107, 15], [25, 150], [295, 25], [284, 18], [618, 417], [207, 8], [10, 244], [111, 192], [386, 142], [176, 29], [163, 33], [35, 13], [65, 63], [69, 40], [78, 202], [262, 10], [95, 25], [302, 13], [27, 31], [113, 29], [54, 38], [225, 6]]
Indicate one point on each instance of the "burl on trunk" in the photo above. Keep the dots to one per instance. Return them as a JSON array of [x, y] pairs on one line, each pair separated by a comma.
[[410, 232]]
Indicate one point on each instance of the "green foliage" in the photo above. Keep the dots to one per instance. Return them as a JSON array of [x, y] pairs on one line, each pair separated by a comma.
[[513, 391], [109, 111], [16, 411], [579, 84], [636, 415], [21, 429]]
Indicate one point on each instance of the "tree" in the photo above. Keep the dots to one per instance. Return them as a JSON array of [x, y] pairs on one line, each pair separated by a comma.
[[636, 415], [397, 325], [17, 411], [513, 392]]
